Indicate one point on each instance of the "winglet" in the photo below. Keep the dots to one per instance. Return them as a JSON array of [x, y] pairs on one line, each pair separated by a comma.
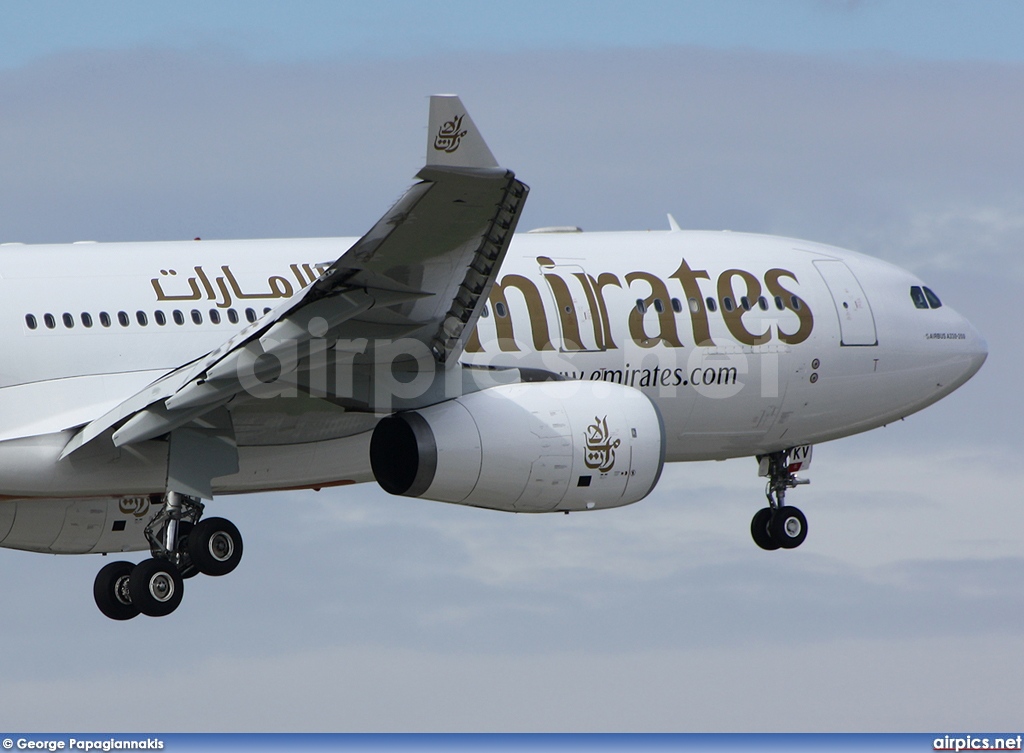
[[453, 139]]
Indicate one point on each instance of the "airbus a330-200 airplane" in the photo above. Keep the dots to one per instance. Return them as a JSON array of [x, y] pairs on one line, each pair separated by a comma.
[[440, 356]]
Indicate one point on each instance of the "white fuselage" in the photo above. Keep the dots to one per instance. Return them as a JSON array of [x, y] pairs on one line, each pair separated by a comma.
[[746, 343]]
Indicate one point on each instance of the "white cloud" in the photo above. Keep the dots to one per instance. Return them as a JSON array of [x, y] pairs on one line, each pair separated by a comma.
[[962, 238], [959, 238]]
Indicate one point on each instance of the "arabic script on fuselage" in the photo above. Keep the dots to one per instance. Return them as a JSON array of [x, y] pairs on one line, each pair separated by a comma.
[[224, 289]]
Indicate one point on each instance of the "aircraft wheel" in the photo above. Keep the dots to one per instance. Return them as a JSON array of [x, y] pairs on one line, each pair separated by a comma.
[[215, 546], [110, 590], [156, 587], [759, 529], [788, 527]]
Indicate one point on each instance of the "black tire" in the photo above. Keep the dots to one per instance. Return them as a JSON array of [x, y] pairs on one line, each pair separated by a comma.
[[156, 587], [788, 527], [215, 546], [759, 529], [110, 590]]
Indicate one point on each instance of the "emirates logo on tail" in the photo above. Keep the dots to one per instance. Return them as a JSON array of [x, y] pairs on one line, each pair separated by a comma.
[[449, 135]]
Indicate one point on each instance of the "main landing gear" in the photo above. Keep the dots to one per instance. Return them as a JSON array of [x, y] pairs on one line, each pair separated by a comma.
[[779, 525], [182, 546]]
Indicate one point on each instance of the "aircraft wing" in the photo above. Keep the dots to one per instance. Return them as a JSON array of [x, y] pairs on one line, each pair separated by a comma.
[[422, 273]]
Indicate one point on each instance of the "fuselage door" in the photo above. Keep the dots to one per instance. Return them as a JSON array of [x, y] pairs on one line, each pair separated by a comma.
[[856, 322], [582, 319]]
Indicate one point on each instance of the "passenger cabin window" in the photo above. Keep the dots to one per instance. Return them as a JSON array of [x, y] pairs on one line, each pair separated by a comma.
[[677, 305], [641, 306], [762, 303], [216, 317], [727, 303], [778, 303], [712, 306], [658, 305]]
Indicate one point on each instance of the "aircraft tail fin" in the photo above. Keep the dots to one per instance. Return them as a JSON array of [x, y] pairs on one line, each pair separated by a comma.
[[453, 139]]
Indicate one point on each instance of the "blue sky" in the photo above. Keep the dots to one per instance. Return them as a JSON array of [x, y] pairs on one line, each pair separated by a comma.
[[304, 30], [892, 128]]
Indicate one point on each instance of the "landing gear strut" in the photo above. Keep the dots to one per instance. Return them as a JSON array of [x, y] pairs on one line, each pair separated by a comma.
[[779, 525], [182, 546]]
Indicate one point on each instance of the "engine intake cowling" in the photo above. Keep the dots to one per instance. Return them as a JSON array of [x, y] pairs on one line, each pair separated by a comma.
[[532, 447]]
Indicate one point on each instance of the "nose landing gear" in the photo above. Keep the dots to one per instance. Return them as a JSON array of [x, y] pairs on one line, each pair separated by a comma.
[[779, 525], [182, 546]]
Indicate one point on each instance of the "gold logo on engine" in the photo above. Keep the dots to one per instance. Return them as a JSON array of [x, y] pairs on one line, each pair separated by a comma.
[[137, 506], [600, 447], [449, 135]]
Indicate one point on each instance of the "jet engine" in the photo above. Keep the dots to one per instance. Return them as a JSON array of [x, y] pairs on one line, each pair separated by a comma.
[[75, 526], [530, 447]]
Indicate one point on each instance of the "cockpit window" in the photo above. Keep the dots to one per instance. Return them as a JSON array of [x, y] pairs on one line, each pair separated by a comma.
[[917, 295], [924, 298], [933, 300]]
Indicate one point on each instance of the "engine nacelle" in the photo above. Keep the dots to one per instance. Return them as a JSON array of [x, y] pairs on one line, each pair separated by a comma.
[[532, 447], [76, 526]]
